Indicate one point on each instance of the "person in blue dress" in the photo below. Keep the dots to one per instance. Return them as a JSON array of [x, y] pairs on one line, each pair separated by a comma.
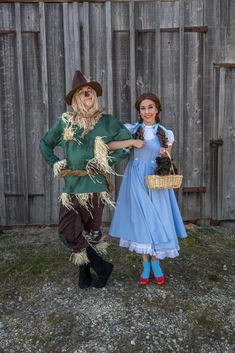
[[147, 221]]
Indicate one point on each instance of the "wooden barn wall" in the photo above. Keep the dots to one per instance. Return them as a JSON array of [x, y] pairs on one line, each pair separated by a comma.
[[129, 47]]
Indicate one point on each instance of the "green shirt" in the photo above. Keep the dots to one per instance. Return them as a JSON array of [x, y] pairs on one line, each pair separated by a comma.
[[79, 150]]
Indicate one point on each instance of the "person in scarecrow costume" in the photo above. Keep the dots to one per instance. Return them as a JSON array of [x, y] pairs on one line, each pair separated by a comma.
[[83, 135]]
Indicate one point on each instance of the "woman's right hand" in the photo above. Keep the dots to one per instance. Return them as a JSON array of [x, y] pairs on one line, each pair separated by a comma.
[[138, 143]]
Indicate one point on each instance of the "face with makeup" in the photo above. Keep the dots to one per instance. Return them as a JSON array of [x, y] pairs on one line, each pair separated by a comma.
[[148, 111], [86, 94]]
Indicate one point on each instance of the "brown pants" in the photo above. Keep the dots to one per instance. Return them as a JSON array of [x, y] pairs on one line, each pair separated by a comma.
[[72, 224]]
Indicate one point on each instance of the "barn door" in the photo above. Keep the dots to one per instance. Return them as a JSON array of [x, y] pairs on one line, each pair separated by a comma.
[[223, 146]]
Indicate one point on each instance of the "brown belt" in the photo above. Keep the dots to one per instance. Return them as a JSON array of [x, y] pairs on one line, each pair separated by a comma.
[[83, 172]]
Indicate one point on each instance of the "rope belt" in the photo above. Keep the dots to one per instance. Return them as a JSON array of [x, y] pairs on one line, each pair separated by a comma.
[[83, 172]]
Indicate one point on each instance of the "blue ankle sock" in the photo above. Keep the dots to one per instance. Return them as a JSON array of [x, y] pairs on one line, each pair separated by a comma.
[[156, 268], [146, 270]]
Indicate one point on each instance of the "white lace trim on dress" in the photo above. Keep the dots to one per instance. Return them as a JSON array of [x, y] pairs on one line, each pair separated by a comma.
[[142, 248]]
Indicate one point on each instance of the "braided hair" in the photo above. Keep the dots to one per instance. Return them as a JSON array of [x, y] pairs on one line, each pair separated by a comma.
[[139, 135]]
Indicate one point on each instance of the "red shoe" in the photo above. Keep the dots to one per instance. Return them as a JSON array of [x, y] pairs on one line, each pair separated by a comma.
[[159, 280], [143, 281]]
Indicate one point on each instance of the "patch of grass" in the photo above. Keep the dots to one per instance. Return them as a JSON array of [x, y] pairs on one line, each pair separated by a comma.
[[3, 235], [213, 277], [62, 323], [206, 321], [191, 240], [29, 264], [211, 231]]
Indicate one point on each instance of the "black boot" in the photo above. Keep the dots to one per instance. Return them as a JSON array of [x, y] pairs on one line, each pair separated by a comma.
[[101, 267], [84, 276]]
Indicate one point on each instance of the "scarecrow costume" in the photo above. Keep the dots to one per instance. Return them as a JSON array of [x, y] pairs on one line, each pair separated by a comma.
[[85, 170]]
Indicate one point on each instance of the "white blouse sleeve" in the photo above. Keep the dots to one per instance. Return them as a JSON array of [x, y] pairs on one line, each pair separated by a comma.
[[130, 127], [170, 137]]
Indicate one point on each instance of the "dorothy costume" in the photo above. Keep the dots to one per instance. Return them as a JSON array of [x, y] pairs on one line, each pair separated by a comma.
[[147, 221]]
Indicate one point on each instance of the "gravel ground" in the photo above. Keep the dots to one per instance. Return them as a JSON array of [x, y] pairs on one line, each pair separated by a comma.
[[43, 310]]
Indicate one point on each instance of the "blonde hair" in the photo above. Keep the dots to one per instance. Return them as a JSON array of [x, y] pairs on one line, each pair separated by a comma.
[[85, 116]]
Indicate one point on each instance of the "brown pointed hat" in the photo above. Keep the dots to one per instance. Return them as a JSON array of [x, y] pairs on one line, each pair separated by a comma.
[[80, 81]]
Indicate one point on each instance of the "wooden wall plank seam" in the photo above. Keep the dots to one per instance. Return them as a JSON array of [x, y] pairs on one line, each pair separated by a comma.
[[78, 1], [181, 94], [66, 47], [214, 155], [157, 67], [219, 127], [109, 62], [191, 29], [20, 81], [43, 54], [132, 58], [2, 179], [77, 39], [204, 147], [200, 29], [86, 40], [109, 75]]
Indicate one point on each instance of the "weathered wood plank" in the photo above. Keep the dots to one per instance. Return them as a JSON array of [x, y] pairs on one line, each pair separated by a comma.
[[66, 48], [170, 14], [45, 121], [98, 50], [121, 70], [192, 124], [101, 59], [6, 107], [72, 43], [120, 18], [145, 63], [219, 19], [227, 131], [170, 86], [157, 66], [56, 87], [7, 16], [30, 21], [109, 61], [193, 12], [181, 93], [2, 182], [145, 48], [225, 166], [21, 111], [204, 174], [86, 39], [77, 39], [132, 59]]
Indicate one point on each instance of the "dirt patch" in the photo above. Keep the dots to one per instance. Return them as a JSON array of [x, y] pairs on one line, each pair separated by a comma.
[[43, 310]]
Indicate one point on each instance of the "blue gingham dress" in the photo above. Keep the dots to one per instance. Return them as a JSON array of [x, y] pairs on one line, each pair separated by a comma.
[[147, 221]]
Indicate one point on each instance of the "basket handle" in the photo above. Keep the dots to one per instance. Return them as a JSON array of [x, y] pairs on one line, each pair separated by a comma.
[[171, 168]]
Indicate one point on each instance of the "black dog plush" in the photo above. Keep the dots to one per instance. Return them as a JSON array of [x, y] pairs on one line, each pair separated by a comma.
[[164, 166]]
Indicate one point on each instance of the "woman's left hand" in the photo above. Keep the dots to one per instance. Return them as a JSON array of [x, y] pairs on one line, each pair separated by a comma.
[[165, 151], [162, 150]]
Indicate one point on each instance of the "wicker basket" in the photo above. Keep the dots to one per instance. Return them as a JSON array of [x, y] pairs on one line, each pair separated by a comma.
[[164, 182], [171, 181]]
